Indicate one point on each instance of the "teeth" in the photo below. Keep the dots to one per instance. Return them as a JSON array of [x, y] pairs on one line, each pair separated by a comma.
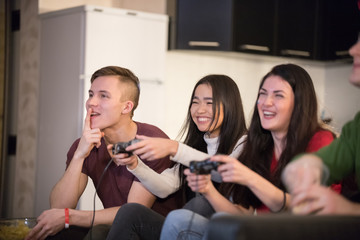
[[267, 113], [202, 119]]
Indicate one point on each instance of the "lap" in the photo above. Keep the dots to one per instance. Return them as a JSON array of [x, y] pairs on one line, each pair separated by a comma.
[[98, 232], [184, 224], [135, 221], [201, 206], [72, 233]]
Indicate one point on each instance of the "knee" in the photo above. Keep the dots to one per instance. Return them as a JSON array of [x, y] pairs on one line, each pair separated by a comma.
[[184, 224], [128, 211], [179, 214], [177, 219], [130, 208]]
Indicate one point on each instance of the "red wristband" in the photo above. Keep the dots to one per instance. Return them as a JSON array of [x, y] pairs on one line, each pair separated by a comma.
[[67, 224]]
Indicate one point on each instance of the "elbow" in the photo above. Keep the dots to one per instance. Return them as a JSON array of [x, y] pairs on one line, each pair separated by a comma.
[[163, 195], [165, 192]]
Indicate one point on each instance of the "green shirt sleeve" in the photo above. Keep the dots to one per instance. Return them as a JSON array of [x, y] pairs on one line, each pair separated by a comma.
[[342, 156]]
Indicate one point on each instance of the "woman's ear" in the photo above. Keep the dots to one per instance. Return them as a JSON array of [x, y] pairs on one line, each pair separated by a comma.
[[128, 107]]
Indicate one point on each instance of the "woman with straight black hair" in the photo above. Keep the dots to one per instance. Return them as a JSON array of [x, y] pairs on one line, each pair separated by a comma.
[[215, 124]]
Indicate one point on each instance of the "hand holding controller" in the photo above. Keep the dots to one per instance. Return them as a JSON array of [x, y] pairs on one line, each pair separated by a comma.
[[203, 167], [120, 147]]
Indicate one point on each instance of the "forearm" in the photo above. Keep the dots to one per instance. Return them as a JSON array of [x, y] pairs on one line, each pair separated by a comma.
[[343, 207], [222, 204], [268, 194], [160, 185], [69, 188], [84, 218], [186, 154]]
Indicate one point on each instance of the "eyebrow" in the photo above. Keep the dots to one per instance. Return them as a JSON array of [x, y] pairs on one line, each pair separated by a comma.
[[276, 91], [205, 98], [101, 91], [279, 91]]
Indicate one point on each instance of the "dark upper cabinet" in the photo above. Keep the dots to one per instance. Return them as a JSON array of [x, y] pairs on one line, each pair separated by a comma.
[[204, 24], [297, 30], [341, 26], [312, 29], [254, 26], [317, 29]]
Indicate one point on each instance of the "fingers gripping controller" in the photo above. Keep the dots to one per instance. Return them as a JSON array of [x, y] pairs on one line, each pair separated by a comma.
[[203, 167], [121, 146]]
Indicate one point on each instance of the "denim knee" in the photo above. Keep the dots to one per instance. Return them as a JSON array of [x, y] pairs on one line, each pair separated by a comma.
[[183, 224]]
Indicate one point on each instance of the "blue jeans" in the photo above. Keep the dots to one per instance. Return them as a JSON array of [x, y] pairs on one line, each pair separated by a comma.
[[184, 224]]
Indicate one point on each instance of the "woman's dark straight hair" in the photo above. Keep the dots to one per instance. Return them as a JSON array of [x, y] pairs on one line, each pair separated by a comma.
[[258, 150], [226, 94]]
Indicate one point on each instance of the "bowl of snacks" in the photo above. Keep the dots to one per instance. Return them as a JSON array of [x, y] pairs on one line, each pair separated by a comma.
[[16, 228]]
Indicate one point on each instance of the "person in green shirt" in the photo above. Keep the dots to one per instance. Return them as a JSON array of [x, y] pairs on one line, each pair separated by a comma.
[[304, 175]]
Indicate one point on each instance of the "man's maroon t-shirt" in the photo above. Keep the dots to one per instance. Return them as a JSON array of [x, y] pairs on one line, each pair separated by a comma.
[[117, 180]]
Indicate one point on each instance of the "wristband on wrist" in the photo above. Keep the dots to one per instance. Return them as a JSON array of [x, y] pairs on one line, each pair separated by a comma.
[[283, 205], [67, 224]]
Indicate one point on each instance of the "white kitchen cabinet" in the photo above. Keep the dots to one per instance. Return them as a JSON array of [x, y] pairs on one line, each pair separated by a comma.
[[74, 43]]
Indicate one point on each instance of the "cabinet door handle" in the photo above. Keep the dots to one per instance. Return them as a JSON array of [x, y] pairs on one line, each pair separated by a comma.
[[131, 13], [255, 48], [203, 44], [295, 52], [342, 53]]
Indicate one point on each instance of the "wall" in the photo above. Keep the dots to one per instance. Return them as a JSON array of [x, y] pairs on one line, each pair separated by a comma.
[[341, 97], [25, 73], [2, 97]]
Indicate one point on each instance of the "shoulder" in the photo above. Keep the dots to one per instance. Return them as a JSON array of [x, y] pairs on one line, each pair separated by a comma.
[[149, 130], [323, 134], [355, 123], [357, 117], [240, 142], [320, 139], [71, 151], [239, 147], [73, 146], [351, 130]]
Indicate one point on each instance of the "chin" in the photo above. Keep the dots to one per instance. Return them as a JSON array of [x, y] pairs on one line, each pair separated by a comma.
[[93, 126], [268, 128], [203, 129], [271, 128], [265, 125]]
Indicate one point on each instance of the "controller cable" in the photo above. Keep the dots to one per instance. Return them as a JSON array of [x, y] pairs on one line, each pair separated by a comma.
[[96, 189]]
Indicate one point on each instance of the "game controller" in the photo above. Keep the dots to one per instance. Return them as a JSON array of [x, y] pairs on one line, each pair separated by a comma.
[[121, 146], [203, 167]]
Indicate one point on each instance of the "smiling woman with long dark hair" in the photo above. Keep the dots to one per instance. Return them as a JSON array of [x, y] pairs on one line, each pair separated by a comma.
[[215, 124]]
